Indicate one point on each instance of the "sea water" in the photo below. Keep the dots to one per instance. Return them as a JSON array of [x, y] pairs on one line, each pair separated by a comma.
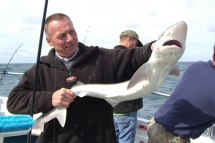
[[151, 102]]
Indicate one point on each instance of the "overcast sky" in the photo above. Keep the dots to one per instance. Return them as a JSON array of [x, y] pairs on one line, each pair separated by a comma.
[[100, 22]]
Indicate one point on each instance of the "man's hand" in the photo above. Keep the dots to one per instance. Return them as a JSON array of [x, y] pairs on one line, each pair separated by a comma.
[[63, 97], [152, 46]]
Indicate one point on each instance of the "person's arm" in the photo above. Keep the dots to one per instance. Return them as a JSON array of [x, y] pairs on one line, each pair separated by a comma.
[[142, 55], [20, 98], [126, 62]]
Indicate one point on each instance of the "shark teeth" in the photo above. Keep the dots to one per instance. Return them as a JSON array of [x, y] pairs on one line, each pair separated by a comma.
[[173, 42]]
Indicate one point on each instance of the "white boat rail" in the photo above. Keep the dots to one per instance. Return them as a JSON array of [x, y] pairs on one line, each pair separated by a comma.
[[10, 73]]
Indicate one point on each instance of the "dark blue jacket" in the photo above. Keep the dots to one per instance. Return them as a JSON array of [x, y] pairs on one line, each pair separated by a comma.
[[190, 109]]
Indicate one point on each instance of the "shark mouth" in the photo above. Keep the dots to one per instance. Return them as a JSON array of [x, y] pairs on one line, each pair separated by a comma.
[[173, 42]]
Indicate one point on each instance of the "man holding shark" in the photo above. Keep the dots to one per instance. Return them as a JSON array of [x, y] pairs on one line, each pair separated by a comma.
[[79, 120], [88, 119]]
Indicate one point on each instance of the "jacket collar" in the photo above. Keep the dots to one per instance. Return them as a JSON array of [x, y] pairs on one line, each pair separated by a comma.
[[120, 47], [84, 52]]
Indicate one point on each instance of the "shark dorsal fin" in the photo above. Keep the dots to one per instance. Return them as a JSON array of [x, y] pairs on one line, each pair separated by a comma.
[[175, 71]]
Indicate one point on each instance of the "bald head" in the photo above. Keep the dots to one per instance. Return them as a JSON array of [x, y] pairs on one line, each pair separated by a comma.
[[54, 17]]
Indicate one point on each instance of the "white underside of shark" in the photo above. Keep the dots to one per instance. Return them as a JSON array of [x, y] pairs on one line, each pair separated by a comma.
[[167, 50]]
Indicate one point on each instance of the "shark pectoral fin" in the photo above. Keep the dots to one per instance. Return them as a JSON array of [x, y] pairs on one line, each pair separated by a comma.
[[110, 99], [62, 115], [140, 75], [174, 71], [113, 104]]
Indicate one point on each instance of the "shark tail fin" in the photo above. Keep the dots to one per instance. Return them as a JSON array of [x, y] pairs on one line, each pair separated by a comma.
[[39, 124]]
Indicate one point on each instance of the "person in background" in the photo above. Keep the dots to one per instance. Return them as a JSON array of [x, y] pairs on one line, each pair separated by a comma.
[[189, 111], [89, 120], [125, 113]]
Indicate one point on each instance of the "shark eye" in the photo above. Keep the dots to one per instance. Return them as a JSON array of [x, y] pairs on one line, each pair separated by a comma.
[[160, 36]]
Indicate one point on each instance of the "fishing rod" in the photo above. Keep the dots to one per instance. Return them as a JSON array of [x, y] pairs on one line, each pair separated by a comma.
[[4, 71], [86, 33], [37, 65]]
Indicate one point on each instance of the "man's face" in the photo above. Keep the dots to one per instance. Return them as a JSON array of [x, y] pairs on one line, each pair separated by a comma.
[[62, 37]]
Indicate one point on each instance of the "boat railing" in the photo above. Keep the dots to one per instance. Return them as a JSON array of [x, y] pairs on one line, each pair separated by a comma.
[[210, 132]]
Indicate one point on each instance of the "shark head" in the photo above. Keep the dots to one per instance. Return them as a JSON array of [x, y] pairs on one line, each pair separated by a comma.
[[170, 45], [167, 50]]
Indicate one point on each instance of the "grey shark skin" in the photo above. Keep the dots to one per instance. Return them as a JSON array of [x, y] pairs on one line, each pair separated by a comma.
[[168, 49]]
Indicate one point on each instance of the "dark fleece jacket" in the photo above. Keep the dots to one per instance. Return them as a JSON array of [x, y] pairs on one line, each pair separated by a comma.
[[89, 120], [130, 105]]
